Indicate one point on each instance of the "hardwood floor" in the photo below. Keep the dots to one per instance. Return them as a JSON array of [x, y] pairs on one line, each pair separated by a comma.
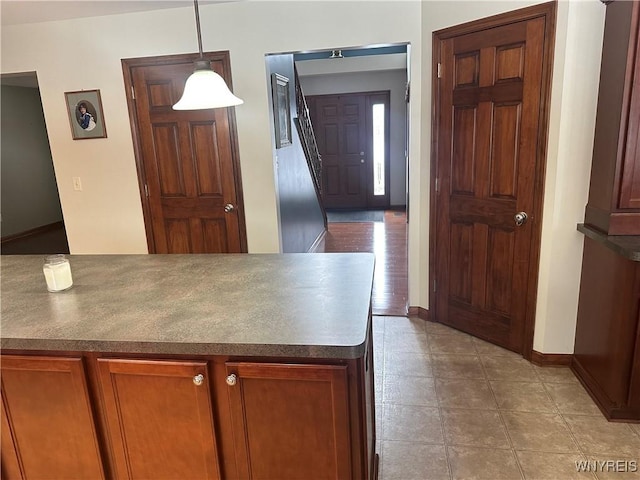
[[47, 241], [388, 241]]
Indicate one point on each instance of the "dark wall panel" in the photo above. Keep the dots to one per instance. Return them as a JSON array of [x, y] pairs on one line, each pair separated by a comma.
[[301, 220]]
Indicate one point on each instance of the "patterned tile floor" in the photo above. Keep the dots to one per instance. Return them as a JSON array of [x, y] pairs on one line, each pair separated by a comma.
[[451, 406]]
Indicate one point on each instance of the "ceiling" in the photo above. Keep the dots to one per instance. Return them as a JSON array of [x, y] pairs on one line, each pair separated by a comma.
[[14, 12]]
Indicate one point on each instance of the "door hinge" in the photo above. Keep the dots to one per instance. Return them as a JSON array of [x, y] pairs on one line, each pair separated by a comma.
[[146, 190], [439, 70], [133, 93], [437, 186], [435, 284]]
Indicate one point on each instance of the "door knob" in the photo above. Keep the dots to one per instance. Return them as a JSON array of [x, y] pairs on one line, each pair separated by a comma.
[[232, 379], [362, 160], [228, 208], [520, 218]]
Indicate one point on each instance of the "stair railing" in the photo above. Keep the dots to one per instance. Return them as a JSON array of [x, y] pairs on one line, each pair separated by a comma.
[[309, 145]]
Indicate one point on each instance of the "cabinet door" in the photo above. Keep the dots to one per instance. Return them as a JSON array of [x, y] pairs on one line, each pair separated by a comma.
[[48, 427], [160, 419], [290, 421], [630, 185], [614, 191]]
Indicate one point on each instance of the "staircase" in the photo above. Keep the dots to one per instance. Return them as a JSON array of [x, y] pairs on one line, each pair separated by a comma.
[[305, 131]]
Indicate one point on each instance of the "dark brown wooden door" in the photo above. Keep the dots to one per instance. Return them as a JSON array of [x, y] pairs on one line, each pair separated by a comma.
[[160, 419], [340, 128], [189, 164], [290, 422], [48, 428], [490, 135]]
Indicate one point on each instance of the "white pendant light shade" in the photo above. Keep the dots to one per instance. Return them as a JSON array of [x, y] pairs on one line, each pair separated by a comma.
[[206, 89]]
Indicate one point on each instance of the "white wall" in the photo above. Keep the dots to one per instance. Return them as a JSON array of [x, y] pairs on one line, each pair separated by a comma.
[[392, 80], [106, 216], [568, 174], [29, 194]]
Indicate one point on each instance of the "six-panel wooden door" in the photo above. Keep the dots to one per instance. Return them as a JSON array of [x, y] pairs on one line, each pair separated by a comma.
[[188, 161], [340, 129], [490, 134]]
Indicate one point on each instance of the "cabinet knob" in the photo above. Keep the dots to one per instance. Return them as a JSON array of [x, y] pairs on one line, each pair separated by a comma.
[[232, 379], [198, 379]]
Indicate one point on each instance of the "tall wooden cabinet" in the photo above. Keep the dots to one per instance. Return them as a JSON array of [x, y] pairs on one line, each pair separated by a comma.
[[614, 192], [607, 344]]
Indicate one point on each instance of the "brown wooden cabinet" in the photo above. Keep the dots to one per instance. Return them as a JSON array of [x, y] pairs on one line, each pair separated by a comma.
[[290, 421], [206, 417], [48, 428], [160, 419], [607, 346], [607, 343], [614, 193]]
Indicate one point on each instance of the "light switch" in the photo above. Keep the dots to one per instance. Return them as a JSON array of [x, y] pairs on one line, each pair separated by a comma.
[[77, 184]]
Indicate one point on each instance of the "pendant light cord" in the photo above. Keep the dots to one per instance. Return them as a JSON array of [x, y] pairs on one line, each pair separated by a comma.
[[195, 5]]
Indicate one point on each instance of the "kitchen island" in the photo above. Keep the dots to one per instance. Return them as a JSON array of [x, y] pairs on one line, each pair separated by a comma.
[[189, 366]]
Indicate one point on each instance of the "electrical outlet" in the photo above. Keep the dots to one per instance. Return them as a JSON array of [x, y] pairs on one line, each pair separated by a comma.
[[77, 184]]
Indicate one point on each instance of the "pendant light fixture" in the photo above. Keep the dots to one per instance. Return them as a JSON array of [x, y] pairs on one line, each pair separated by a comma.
[[204, 87]]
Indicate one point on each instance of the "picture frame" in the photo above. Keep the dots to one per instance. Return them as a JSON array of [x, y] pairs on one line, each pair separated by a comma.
[[281, 110], [86, 117]]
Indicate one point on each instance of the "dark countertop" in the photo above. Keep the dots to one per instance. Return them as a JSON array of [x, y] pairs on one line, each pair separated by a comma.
[[626, 245], [291, 305]]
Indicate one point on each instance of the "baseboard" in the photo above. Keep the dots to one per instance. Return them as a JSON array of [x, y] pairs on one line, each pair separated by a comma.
[[33, 231], [551, 359], [419, 312], [400, 208], [314, 246], [597, 394]]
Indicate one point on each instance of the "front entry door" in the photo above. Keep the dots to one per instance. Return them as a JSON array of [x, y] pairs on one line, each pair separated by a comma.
[[187, 160], [340, 128], [491, 122]]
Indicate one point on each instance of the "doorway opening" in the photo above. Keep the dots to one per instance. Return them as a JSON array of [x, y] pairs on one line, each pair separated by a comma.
[[30, 211], [358, 105]]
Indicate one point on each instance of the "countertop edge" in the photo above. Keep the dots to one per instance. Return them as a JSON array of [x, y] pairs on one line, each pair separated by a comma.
[[197, 349], [627, 246]]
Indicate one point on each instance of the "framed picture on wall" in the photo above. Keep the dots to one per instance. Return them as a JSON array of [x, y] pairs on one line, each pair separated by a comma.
[[85, 114], [281, 109]]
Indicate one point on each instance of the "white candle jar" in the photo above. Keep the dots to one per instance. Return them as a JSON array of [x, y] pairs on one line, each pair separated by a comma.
[[57, 273]]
